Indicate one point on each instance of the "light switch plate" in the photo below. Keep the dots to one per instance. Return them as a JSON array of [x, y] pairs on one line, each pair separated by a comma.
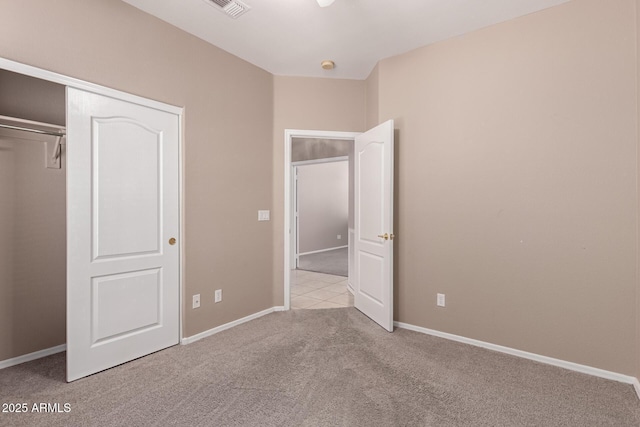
[[196, 301], [263, 215]]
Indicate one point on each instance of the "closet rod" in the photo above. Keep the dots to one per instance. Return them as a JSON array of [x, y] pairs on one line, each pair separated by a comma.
[[43, 132]]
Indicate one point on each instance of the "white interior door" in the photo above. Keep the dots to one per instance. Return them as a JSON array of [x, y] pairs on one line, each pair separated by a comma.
[[122, 210], [373, 221]]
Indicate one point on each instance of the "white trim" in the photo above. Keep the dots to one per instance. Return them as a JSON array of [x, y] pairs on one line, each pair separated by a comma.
[[636, 386], [323, 250], [229, 325], [181, 225], [295, 226], [39, 73], [289, 134], [32, 356], [596, 372], [350, 258], [320, 161]]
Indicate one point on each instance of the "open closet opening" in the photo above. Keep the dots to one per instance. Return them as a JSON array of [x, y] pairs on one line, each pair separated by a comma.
[[32, 216]]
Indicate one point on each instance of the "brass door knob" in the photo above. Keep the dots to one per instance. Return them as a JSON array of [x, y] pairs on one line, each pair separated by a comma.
[[172, 241], [384, 236]]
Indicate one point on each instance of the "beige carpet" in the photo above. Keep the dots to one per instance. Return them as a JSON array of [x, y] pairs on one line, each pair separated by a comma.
[[319, 368]]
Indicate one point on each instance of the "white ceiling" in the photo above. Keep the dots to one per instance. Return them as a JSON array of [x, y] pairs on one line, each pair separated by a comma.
[[292, 37]]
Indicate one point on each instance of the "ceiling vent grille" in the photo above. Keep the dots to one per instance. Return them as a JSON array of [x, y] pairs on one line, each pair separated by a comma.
[[232, 8]]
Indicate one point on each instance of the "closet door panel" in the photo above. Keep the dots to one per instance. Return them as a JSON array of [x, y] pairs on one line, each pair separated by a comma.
[[126, 166], [123, 289]]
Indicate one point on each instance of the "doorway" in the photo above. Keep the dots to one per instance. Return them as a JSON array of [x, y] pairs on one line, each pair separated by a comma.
[[371, 247], [304, 146], [32, 216], [321, 215]]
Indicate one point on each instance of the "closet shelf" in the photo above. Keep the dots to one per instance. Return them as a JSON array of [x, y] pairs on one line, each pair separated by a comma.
[[15, 123]]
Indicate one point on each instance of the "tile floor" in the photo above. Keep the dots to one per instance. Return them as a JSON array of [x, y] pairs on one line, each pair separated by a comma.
[[319, 290]]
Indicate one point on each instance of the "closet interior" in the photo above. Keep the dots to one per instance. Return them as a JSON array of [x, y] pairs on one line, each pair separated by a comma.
[[32, 215]]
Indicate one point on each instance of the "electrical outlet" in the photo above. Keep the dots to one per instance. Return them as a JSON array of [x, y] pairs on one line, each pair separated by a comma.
[[218, 295], [440, 300], [339, 236], [263, 215], [196, 301]]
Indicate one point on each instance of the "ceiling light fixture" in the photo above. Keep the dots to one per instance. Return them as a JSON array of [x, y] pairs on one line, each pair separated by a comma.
[[328, 65], [325, 3]]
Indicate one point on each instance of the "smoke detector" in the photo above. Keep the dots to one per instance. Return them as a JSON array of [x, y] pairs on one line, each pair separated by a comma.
[[231, 8]]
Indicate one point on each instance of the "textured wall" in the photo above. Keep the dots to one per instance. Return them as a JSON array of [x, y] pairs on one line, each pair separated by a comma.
[[228, 127], [303, 149], [32, 248], [516, 183], [338, 105], [30, 98], [323, 206]]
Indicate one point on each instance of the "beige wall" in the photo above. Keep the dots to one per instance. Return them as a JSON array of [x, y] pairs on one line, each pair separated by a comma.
[[372, 87], [309, 104], [303, 149], [32, 248], [228, 127], [516, 190], [30, 98], [637, 354], [32, 222], [323, 206]]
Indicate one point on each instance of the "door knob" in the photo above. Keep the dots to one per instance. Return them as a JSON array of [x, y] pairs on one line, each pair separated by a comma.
[[172, 241], [386, 236]]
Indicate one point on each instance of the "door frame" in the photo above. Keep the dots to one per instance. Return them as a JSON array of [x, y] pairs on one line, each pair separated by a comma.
[[31, 71], [289, 134], [295, 229]]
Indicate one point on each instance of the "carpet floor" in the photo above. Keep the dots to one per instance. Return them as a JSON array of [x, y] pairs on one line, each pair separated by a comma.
[[334, 262], [329, 367]]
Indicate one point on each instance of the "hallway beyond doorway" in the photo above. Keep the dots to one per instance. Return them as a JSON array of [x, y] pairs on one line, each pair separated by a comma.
[[335, 262], [318, 290]]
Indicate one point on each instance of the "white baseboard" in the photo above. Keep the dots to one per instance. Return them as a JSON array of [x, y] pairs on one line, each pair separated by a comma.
[[194, 338], [60, 348], [636, 386], [323, 250], [32, 356], [531, 356]]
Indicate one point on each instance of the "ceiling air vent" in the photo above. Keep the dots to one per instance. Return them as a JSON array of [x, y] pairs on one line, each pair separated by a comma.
[[232, 8]]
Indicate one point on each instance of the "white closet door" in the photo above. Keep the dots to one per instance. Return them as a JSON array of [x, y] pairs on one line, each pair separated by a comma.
[[122, 219]]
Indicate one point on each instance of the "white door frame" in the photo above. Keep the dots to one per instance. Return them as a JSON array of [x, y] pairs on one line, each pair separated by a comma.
[[289, 134], [28, 70], [295, 235]]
